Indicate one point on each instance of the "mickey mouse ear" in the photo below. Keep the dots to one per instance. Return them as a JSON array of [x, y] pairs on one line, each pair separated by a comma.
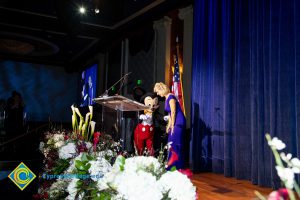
[[156, 100], [148, 94]]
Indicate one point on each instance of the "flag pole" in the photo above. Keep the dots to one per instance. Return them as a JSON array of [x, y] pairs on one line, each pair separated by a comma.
[[180, 72]]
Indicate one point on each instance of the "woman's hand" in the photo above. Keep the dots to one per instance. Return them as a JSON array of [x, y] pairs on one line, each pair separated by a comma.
[[172, 129], [168, 128], [173, 115]]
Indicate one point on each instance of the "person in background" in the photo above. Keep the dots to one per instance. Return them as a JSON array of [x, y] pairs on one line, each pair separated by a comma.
[[175, 128], [2, 115], [14, 114]]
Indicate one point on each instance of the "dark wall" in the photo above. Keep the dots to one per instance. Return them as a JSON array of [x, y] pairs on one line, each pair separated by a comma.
[[141, 60], [114, 66]]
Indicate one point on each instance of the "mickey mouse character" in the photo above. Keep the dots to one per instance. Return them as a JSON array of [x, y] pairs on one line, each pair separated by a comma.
[[144, 131]]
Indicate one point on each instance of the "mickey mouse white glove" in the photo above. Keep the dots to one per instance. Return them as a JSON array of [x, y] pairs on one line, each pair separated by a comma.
[[166, 118], [143, 117]]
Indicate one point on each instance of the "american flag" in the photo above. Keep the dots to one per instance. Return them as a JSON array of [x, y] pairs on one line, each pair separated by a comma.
[[177, 84]]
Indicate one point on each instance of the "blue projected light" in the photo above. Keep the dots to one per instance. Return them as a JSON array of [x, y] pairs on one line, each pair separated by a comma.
[[88, 85], [47, 91]]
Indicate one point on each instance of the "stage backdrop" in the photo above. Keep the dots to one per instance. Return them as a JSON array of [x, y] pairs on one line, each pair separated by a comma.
[[46, 90], [246, 82]]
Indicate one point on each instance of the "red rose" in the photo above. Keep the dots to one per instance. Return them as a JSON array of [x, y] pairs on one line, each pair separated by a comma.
[[46, 196], [82, 148], [36, 196], [186, 172], [66, 137], [281, 194], [96, 139], [97, 135]]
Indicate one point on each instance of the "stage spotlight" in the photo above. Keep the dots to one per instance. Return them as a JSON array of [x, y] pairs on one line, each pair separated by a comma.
[[97, 10], [82, 10]]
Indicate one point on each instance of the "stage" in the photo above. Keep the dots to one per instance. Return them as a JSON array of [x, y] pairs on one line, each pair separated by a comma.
[[212, 186]]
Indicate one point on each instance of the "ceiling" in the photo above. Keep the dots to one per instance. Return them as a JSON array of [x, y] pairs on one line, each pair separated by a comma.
[[53, 32]]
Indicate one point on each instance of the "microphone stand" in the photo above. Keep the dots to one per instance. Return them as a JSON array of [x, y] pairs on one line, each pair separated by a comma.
[[105, 94]]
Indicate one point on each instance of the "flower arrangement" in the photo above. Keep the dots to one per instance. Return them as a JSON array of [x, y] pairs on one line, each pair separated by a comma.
[[286, 167], [145, 177], [90, 165], [79, 151]]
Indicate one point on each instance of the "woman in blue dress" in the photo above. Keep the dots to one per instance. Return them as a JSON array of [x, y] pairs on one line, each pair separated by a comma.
[[175, 128]]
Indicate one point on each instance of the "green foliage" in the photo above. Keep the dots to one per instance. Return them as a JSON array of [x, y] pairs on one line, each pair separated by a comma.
[[166, 196], [79, 183], [59, 196], [173, 169], [96, 195], [120, 161], [89, 187], [60, 166], [83, 164]]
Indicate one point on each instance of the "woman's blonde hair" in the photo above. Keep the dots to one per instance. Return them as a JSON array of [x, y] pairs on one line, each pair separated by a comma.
[[161, 87]]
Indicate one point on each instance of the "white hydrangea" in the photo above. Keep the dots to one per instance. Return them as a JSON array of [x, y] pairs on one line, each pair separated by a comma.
[[72, 190], [117, 197], [41, 146], [57, 188], [107, 153], [178, 185], [59, 144], [58, 137], [109, 178], [133, 186], [88, 145], [134, 182], [46, 151], [99, 168], [102, 184], [142, 163], [67, 151], [137, 180]]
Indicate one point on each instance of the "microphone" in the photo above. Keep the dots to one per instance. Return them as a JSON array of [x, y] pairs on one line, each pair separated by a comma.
[[124, 78]]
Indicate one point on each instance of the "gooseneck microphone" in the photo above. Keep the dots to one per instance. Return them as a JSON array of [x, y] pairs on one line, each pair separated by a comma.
[[123, 79]]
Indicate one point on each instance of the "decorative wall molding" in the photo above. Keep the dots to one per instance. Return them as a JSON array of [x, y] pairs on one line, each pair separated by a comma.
[[186, 14]]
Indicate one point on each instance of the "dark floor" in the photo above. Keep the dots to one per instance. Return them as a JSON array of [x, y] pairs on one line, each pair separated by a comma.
[[9, 191], [26, 150]]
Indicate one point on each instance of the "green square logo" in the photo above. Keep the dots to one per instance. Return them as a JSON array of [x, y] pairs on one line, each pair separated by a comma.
[[22, 176]]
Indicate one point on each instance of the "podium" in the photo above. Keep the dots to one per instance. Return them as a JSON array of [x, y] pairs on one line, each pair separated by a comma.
[[121, 104]]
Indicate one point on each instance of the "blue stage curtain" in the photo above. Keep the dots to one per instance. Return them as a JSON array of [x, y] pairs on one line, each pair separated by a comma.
[[245, 83]]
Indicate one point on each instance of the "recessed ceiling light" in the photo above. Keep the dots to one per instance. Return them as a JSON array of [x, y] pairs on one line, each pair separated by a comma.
[[97, 10], [82, 10]]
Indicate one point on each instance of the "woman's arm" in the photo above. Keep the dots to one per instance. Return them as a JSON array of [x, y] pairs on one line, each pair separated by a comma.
[[172, 103]]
